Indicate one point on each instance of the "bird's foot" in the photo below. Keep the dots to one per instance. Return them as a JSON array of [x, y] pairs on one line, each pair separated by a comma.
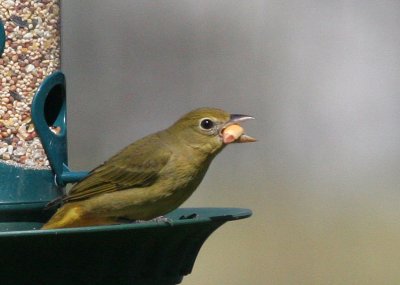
[[162, 219], [158, 220]]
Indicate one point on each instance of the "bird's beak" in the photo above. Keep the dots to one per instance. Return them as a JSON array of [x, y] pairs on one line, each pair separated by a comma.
[[235, 134]]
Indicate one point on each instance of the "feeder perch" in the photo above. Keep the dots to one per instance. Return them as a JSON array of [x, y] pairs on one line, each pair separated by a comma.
[[136, 253]]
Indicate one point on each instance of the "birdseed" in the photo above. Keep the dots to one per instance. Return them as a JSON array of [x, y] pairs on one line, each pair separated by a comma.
[[32, 52]]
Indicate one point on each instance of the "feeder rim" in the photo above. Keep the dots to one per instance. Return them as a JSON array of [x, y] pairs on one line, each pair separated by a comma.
[[205, 215]]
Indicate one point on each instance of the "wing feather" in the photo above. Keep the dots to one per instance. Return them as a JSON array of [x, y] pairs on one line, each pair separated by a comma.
[[138, 165]]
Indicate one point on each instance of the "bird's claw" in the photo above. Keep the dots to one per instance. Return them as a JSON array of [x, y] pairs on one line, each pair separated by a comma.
[[160, 219]]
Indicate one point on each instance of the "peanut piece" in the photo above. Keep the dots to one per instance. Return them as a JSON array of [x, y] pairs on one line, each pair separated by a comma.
[[232, 133]]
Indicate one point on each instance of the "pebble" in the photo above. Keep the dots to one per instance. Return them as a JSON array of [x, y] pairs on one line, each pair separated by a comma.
[[32, 52]]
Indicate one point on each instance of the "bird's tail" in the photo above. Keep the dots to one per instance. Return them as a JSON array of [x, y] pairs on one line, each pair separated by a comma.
[[65, 217], [73, 215]]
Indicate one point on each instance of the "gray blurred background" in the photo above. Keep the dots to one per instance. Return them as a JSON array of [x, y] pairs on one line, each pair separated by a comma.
[[321, 77]]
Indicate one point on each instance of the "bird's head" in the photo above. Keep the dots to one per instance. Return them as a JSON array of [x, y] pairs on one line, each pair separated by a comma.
[[206, 128]]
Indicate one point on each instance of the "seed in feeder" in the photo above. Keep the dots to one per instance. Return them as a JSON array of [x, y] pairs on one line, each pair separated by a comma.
[[32, 30], [55, 129], [28, 36], [6, 156], [22, 133], [29, 68], [31, 128], [35, 22], [22, 159], [18, 21], [16, 95], [19, 151], [14, 58]]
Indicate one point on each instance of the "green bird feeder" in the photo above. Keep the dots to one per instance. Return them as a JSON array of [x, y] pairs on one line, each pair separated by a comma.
[[34, 170]]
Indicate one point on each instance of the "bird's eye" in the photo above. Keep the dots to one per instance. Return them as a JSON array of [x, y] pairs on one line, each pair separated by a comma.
[[206, 124]]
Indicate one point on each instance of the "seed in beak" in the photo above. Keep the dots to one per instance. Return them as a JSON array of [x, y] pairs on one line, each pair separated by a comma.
[[232, 133], [245, 139], [235, 133]]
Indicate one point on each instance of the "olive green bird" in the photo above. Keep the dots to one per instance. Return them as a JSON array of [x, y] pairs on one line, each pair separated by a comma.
[[152, 176]]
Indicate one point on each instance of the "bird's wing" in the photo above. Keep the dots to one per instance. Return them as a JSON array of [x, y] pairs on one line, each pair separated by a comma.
[[138, 165]]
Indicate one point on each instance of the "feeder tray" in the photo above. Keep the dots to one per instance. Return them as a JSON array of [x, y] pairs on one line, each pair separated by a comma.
[[144, 253]]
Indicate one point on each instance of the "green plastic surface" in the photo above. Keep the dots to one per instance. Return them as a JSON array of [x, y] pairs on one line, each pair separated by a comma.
[[49, 110], [26, 185], [2, 38], [138, 253]]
